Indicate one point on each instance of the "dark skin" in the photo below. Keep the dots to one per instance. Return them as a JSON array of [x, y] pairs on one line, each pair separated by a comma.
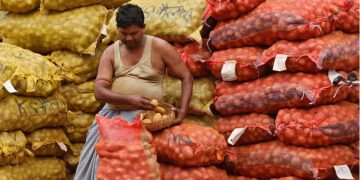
[[163, 56]]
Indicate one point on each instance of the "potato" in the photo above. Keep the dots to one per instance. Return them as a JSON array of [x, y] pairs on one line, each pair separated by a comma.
[[154, 102], [159, 110], [147, 121], [164, 117], [157, 117]]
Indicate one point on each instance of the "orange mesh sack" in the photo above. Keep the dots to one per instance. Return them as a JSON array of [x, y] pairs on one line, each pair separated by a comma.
[[232, 177], [277, 91], [252, 128], [337, 51], [354, 94], [274, 159], [125, 150], [354, 90], [228, 9], [319, 126], [244, 59], [274, 20], [190, 145], [170, 172], [348, 16], [194, 58]]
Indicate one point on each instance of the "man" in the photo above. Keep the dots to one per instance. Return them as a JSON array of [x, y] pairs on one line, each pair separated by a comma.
[[130, 74]]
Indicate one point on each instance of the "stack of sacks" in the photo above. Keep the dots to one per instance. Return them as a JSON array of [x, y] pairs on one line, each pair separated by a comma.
[[68, 35], [33, 113], [313, 44]]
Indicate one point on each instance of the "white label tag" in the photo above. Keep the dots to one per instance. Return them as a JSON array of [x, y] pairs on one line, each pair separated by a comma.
[[280, 62], [104, 30], [332, 74], [62, 146], [235, 135], [228, 71], [9, 87], [343, 172]]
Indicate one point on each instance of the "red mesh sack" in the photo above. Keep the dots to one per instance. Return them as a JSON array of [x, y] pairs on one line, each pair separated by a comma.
[[274, 20], [287, 178], [247, 178], [355, 145], [259, 127], [353, 90], [319, 126], [190, 145], [170, 172], [245, 60], [277, 91], [194, 58], [335, 51], [125, 150], [228, 9], [232, 177], [354, 94], [348, 16], [274, 159]]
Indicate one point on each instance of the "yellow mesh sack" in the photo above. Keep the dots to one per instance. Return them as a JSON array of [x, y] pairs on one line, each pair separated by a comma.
[[77, 125], [7, 72], [77, 68], [19, 6], [12, 148], [202, 97], [48, 142], [30, 73], [81, 97], [37, 169], [72, 157], [76, 30], [172, 20], [30, 113], [61, 5]]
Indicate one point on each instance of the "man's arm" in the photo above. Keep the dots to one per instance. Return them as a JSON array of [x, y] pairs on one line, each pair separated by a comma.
[[103, 84], [172, 60]]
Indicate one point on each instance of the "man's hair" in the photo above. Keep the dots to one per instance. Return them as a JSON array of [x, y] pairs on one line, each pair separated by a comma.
[[129, 14]]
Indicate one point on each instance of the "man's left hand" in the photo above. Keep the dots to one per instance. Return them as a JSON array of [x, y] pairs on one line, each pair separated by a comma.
[[180, 113]]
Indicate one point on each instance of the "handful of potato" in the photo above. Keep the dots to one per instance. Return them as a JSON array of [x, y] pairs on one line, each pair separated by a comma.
[[160, 117]]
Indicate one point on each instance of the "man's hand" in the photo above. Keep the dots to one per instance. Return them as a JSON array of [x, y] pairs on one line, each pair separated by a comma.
[[180, 115], [140, 102]]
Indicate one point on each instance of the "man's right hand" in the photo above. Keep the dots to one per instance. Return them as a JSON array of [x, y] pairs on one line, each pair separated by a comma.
[[140, 102]]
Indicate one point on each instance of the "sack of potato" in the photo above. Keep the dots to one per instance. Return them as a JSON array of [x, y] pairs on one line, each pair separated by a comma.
[[13, 148], [77, 30], [172, 20], [37, 168], [202, 96], [77, 125], [19, 6], [162, 116], [48, 142], [29, 73], [61, 5], [72, 157], [30, 113], [77, 68], [81, 97]]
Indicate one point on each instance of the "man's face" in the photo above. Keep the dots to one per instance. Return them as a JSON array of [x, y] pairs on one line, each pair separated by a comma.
[[131, 36]]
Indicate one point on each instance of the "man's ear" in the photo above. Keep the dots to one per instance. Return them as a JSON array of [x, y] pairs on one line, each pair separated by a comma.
[[144, 26]]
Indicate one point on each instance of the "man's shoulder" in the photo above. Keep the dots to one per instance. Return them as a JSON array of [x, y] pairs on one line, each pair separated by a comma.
[[159, 44]]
